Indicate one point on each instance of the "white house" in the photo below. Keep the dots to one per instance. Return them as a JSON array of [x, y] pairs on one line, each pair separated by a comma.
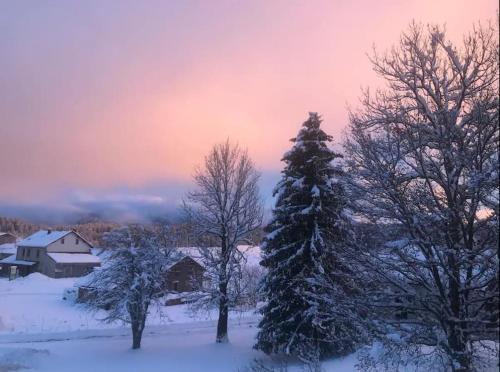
[[58, 254]]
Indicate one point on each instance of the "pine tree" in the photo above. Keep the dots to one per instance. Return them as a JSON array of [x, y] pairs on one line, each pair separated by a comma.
[[305, 276]]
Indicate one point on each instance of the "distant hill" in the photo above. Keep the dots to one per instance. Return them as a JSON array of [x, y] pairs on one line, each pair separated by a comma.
[[90, 229]]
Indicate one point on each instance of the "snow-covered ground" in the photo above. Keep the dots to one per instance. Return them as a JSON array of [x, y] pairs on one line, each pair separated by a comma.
[[178, 347], [40, 331], [34, 304]]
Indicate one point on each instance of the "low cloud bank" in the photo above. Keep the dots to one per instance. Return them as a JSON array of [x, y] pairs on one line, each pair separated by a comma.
[[119, 204]]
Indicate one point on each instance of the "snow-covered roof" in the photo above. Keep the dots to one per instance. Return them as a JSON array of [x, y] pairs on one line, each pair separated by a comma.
[[42, 238], [74, 258], [5, 233], [252, 254], [8, 248], [11, 260], [182, 252], [181, 257]]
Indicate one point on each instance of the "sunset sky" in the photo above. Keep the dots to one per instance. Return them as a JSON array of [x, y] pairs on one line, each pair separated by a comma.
[[107, 106]]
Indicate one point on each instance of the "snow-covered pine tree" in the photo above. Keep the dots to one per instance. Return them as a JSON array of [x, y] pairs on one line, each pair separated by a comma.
[[306, 283]]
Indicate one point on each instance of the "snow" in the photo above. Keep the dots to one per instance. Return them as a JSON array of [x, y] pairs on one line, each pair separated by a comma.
[[34, 304], [42, 238], [180, 348], [252, 254], [12, 260], [39, 330], [182, 255], [74, 258], [177, 347], [42, 332], [8, 248]]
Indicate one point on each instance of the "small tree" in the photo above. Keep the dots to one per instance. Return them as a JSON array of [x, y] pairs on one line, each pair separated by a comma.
[[308, 312], [227, 207], [424, 158], [131, 280]]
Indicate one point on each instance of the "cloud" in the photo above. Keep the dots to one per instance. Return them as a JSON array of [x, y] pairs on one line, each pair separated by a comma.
[[120, 204]]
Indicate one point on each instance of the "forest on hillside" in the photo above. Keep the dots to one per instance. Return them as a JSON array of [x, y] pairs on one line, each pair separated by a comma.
[[93, 231]]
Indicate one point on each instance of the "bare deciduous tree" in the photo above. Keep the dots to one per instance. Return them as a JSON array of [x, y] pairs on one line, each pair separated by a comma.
[[424, 155], [225, 205]]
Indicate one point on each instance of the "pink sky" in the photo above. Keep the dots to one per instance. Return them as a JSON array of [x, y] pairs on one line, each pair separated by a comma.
[[96, 95]]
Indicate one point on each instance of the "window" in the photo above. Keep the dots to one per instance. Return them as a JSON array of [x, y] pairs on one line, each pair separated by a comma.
[[176, 286], [29, 250], [62, 241], [77, 241], [24, 252], [37, 253]]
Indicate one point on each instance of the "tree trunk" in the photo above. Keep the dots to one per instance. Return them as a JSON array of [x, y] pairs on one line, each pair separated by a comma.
[[223, 301], [136, 334], [457, 338], [460, 358], [223, 315]]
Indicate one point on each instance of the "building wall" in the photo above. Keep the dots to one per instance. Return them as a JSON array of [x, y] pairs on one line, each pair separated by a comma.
[[4, 270], [181, 275], [29, 253], [70, 245], [46, 265], [49, 267], [73, 270]]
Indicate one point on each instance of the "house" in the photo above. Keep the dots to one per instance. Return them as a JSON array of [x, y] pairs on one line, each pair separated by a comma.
[[57, 254], [7, 238], [7, 248], [184, 275]]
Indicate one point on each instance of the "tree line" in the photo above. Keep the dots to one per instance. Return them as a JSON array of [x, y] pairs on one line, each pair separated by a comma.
[[91, 230]]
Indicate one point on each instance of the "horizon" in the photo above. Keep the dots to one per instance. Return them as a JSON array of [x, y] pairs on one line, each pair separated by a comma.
[[108, 109]]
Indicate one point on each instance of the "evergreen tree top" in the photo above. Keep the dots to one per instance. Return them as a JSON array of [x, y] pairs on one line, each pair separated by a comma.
[[309, 187], [311, 130], [310, 143]]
